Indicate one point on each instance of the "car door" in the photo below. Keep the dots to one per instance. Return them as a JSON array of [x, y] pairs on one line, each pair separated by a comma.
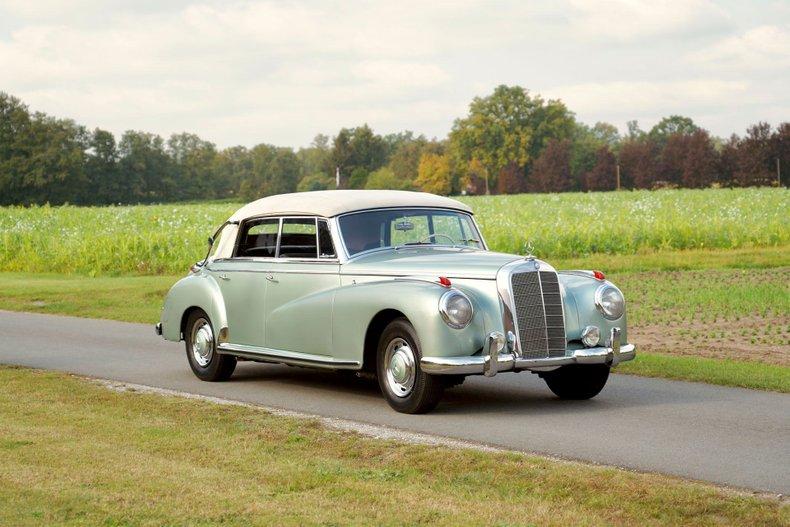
[[300, 289], [242, 280]]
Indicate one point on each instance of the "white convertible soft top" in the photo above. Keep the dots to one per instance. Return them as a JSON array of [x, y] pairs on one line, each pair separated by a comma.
[[328, 203]]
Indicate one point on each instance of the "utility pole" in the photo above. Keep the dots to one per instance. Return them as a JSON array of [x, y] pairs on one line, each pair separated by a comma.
[[337, 177], [778, 174], [617, 171]]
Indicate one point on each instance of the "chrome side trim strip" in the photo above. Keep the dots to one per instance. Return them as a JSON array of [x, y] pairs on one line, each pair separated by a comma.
[[286, 357], [350, 275], [271, 270]]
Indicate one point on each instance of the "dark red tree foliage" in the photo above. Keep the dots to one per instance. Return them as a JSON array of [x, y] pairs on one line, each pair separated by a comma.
[[551, 171], [638, 163], [603, 174], [511, 180]]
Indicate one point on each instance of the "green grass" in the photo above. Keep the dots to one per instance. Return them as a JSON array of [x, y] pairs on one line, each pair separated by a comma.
[[691, 259], [79, 454], [724, 372], [128, 299], [166, 239], [705, 296], [653, 301]]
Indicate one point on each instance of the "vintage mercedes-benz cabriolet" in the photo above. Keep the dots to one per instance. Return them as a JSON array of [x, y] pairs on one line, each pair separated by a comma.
[[392, 284]]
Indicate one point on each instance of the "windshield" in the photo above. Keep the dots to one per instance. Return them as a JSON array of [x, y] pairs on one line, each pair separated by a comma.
[[363, 231]]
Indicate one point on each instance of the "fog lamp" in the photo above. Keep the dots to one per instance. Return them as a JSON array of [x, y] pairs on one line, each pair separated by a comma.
[[591, 336]]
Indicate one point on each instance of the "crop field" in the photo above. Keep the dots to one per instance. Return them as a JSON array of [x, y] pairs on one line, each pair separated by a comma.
[[160, 239]]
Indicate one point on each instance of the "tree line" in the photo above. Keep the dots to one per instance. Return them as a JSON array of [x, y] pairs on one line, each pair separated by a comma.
[[509, 142]]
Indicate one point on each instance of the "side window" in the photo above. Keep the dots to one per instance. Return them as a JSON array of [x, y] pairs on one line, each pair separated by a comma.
[[298, 239], [326, 249], [259, 238]]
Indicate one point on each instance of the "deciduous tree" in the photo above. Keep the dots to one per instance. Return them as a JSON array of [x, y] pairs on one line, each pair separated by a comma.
[[508, 129], [701, 164], [433, 174], [551, 171], [638, 163], [672, 125], [385, 178], [602, 176]]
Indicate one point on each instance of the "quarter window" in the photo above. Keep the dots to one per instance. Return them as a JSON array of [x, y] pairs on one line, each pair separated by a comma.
[[325, 246]]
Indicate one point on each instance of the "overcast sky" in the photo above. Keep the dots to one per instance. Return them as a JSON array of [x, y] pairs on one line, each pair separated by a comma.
[[281, 72]]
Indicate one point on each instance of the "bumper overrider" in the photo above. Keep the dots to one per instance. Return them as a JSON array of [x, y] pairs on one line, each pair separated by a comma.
[[495, 358]]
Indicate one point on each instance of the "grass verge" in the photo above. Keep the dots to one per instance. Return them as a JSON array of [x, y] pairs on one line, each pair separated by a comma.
[[76, 453], [724, 372], [128, 299], [139, 299]]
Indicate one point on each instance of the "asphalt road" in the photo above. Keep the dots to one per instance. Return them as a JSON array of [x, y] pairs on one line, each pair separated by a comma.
[[727, 436]]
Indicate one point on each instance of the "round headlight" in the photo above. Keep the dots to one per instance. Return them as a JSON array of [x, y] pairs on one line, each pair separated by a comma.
[[456, 309], [609, 301], [591, 336]]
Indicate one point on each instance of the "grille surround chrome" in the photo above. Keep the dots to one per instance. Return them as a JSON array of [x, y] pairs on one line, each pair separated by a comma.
[[534, 339]]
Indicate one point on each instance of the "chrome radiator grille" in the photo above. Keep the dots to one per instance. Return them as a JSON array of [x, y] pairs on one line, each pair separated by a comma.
[[539, 317]]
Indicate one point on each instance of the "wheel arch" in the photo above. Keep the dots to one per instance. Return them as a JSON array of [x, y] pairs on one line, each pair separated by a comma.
[[373, 333], [185, 316]]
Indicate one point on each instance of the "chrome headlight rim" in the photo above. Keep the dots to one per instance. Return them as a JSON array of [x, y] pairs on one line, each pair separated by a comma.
[[444, 302], [603, 288]]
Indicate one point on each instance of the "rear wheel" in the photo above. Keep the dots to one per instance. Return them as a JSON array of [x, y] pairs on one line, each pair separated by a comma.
[[577, 381], [206, 363], [405, 386]]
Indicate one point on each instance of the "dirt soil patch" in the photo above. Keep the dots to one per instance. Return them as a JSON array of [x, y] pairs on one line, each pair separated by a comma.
[[717, 340]]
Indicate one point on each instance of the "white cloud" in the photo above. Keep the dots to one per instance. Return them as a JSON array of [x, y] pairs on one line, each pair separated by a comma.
[[765, 47], [625, 20], [621, 101], [655, 96], [252, 71]]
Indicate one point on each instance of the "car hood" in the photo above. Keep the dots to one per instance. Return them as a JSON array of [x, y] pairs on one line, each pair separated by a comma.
[[439, 261]]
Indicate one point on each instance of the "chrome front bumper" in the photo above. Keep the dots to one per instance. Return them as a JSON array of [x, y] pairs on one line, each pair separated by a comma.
[[494, 360]]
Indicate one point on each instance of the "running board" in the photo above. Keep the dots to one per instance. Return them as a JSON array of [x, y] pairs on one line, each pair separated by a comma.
[[286, 357]]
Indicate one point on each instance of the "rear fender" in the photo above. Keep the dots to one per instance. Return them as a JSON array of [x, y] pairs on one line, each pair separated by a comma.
[[196, 290]]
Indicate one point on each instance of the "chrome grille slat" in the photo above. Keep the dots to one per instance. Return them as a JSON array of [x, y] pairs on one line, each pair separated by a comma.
[[539, 314]]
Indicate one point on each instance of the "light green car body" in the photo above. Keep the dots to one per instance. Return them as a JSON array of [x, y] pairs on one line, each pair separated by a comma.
[[329, 314]]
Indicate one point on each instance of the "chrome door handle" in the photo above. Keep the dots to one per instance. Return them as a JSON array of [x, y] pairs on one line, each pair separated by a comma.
[[224, 276], [271, 278]]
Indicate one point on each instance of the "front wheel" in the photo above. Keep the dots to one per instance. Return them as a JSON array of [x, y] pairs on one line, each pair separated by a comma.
[[206, 363], [405, 386], [577, 381]]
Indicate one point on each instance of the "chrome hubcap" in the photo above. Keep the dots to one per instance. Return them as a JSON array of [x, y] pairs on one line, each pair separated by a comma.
[[401, 370], [202, 342]]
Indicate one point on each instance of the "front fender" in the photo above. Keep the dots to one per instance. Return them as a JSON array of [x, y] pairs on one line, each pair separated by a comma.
[[580, 310], [196, 290], [357, 304]]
